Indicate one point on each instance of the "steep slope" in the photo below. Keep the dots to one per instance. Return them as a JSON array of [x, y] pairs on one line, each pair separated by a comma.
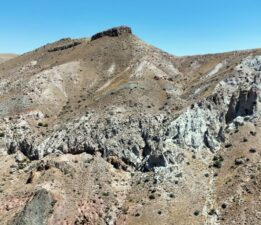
[[110, 130]]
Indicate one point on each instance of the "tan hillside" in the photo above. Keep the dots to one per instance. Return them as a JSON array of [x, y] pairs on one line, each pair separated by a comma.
[[5, 57], [111, 130]]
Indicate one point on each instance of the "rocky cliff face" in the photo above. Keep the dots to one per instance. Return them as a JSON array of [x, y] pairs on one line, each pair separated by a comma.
[[114, 131]]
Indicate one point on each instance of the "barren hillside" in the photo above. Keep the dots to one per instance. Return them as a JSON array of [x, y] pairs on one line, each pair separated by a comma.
[[5, 57], [111, 130]]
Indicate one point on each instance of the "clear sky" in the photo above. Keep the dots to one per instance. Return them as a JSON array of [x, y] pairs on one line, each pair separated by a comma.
[[181, 27]]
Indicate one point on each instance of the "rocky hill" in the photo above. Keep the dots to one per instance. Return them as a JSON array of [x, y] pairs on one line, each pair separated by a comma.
[[111, 130]]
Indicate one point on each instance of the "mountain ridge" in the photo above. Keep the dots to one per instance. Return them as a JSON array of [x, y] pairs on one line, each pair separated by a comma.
[[111, 130]]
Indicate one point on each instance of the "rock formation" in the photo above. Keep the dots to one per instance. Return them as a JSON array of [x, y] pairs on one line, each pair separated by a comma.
[[113, 32]]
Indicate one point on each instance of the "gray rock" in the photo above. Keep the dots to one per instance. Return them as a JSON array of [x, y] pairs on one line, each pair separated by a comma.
[[240, 161], [20, 157], [36, 211]]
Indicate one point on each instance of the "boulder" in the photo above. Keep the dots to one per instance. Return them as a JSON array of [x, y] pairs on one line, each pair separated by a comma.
[[37, 210]]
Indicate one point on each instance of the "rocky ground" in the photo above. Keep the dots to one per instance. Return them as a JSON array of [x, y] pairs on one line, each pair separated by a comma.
[[110, 130]]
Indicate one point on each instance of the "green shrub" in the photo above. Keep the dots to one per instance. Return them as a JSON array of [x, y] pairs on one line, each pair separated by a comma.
[[152, 197], [40, 124], [196, 213], [106, 194]]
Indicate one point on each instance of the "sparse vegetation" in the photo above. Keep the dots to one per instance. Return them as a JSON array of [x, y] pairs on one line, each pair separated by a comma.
[[217, 161], [40, 124], [224, 206], [228, 145], [245, 139], [106, 194], [252, 150], [171, 195], [125, 210], [206, 175], [253, 133], [196, 213], [212, 212], [152, 196]]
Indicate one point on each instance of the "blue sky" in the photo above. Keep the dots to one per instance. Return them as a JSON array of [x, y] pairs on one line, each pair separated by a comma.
[[181, 27]]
